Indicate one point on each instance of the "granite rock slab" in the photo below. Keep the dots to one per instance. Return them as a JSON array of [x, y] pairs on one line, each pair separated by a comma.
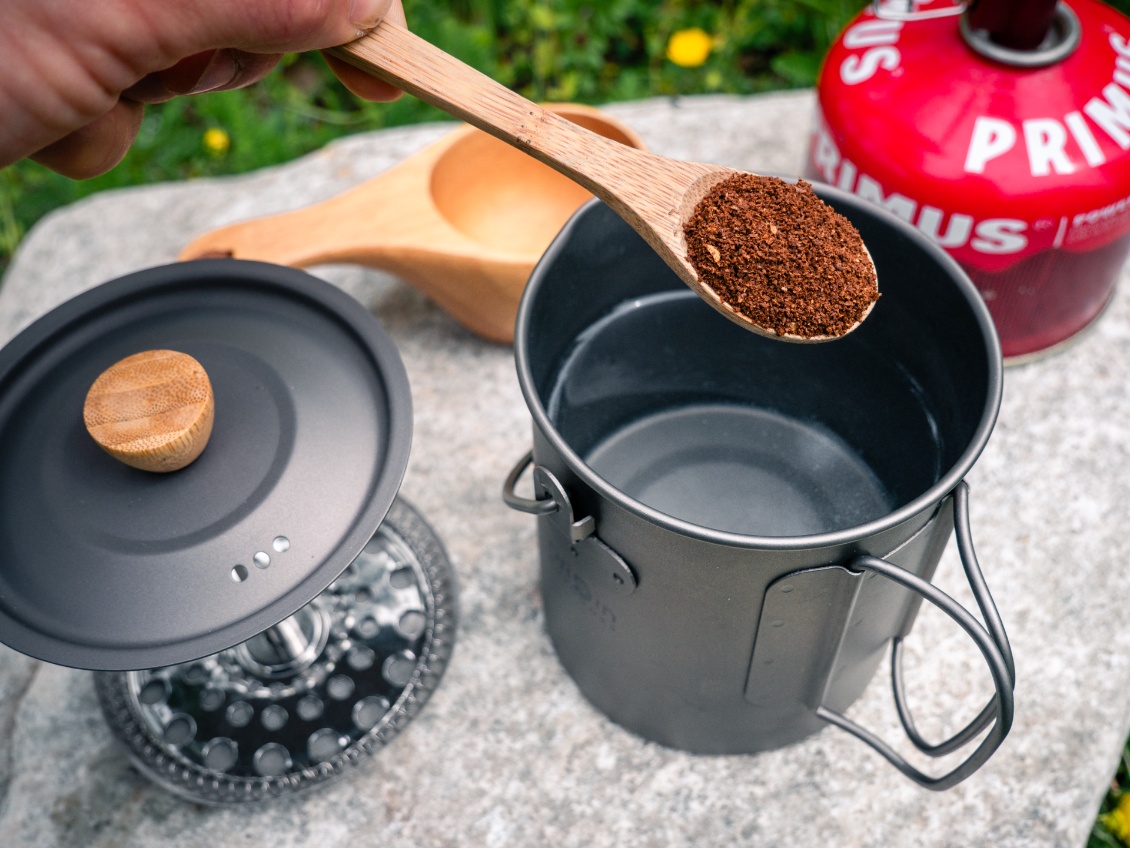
[[507, 752]]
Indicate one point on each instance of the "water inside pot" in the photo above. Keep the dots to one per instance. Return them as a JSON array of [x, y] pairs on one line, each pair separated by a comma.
[[689, 414]]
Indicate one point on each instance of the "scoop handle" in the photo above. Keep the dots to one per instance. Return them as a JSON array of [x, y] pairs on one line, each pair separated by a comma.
[[398, 56], [652, 193], [357, 226]]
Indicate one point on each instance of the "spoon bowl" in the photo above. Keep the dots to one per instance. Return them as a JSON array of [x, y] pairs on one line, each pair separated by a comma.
[[464, 220]]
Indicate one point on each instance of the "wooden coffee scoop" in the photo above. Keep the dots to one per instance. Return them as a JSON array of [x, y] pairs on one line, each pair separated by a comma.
[[153, 410], [653, 194]]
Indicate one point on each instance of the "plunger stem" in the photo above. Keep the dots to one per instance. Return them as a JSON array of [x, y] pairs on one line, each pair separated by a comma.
[[287, 642], [288, 647]]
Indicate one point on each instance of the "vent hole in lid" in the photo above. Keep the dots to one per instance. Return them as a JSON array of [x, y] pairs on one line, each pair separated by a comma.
[[360, 658], [398, 668], [195, 674]]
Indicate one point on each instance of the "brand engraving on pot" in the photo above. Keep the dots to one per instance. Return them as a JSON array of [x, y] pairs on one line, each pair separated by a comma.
[[589, 553], [581, 590]]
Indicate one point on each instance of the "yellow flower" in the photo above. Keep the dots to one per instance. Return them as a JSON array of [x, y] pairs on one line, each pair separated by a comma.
[[1117, 821], [689, 47], [216, 141]]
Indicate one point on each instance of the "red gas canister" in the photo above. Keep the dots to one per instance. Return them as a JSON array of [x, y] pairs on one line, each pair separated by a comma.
[[1002, 131]]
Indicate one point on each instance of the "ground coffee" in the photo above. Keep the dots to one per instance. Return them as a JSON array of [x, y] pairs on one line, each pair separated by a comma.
[[779, 255]]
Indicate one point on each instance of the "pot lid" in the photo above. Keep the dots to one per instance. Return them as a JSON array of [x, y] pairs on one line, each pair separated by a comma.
[[109, 567]]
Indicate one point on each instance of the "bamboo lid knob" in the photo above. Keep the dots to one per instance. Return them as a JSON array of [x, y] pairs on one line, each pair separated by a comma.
[[152, 410]]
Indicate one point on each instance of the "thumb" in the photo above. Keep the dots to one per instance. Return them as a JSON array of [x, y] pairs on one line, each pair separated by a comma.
[[267, 26]]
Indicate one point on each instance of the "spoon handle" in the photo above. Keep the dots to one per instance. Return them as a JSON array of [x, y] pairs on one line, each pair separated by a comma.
[[355, 226], [606, 168]]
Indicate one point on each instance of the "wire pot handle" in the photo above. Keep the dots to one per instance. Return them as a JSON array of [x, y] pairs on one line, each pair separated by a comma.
[[512, 499], [990, 638]]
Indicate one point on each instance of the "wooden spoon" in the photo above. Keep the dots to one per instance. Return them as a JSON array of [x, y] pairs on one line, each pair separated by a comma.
[[464, 220], [653, 194]]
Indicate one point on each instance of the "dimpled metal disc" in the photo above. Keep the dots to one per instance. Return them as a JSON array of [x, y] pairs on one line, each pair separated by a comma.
[[302, 702]]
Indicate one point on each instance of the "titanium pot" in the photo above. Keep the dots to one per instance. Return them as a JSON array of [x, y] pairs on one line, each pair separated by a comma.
[[731, 528]]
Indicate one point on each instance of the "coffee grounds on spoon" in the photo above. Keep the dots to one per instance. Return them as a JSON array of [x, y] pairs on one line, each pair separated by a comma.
[[778, 255]]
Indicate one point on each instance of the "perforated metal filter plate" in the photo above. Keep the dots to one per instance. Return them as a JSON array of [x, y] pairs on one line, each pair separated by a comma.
[[256, 722]]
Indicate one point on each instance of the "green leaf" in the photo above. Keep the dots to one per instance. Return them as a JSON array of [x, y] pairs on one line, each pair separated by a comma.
[[798, 68]]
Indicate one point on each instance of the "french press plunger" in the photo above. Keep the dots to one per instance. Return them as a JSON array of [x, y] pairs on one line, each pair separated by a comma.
[[268, 615]]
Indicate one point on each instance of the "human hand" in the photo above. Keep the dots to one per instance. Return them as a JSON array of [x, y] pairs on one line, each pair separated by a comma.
[[78, 73]]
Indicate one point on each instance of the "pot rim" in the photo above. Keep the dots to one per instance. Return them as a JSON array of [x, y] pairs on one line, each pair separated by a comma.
[[926, 501]]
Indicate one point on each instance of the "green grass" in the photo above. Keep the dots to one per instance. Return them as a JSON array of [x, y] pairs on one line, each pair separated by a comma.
[[1109, 828]]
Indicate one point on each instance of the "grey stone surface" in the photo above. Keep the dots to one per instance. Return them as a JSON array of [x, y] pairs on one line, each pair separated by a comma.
[[508, 753]]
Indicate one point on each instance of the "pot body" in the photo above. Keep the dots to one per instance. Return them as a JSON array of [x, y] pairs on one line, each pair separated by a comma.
[[712, 485], [1020, 172], [675, 662]]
